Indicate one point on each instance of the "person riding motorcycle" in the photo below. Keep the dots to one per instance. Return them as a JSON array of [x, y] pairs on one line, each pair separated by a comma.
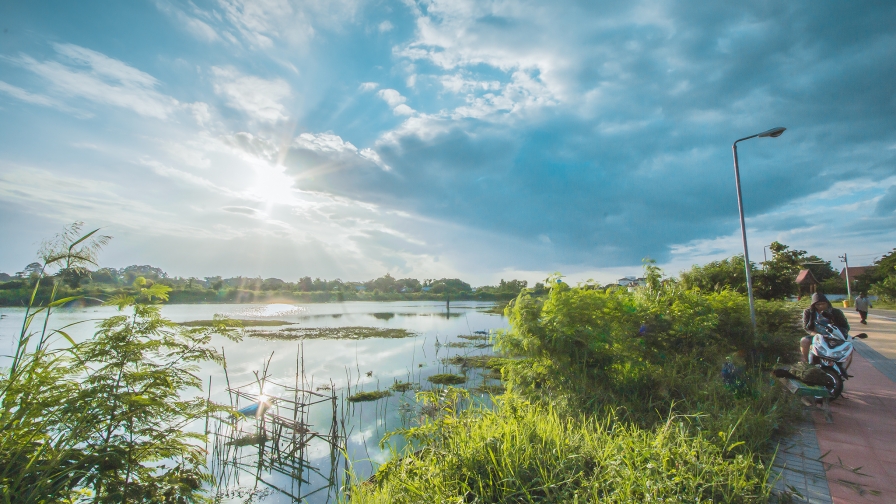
[[821, 308]]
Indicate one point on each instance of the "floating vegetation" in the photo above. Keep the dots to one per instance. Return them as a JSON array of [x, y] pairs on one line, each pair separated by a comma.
[[492, 374], [248, 440], [401, 386], [497, 308], [384, 316], [243, 322], [469, 361], [447, 379], [374, 395], [475, 337], [459, 344], [349, 333], [489, 389]]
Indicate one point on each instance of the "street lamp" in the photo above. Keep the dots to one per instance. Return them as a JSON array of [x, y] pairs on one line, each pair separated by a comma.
[[773, 133]]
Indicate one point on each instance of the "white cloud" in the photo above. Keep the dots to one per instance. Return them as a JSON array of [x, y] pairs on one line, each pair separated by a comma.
[[194, 26], [38, 99], [457, 83], [262, 23], [200, 112], [368, 86], [102, 79], [372, 155], [403, 110], [174, 173], [396, 101], [392, 97], [324, 142], [259, 98], [385, 26]]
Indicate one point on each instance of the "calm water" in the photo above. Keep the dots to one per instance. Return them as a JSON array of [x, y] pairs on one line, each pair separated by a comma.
[[352, 366]]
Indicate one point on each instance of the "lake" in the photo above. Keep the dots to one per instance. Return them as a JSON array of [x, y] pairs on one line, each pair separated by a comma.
[[351, 366]]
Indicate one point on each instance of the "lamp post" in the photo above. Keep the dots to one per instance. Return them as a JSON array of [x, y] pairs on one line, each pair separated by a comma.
[[772, 133]]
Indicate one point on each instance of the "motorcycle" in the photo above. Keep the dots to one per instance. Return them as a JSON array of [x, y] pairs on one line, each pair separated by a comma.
[[831, 351]]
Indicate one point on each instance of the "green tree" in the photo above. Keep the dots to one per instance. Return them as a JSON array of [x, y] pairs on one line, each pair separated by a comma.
[[882, 279], [718, 275]]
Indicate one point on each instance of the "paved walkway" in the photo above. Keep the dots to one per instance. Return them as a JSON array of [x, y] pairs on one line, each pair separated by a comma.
[[859, 448]]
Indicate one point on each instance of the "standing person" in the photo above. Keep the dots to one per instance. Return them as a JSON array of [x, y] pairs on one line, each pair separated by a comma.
[[862, 305], [820, 309]]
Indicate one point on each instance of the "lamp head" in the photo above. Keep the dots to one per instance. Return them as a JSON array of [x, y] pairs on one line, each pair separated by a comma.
[[774, 132]]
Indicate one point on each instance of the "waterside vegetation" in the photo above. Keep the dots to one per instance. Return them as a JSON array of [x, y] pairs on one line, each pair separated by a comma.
[[607, 394], [93, 285], [612, 396], [104, 420]]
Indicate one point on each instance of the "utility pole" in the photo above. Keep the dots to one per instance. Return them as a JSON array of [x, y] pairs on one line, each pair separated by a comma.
[[848, 290]]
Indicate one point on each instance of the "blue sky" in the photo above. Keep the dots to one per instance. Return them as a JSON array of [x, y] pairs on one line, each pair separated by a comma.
[[472, 139]]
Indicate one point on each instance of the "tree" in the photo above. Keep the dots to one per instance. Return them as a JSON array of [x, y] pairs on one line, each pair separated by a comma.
[[32, 271], [884, 277], [385, 283], [305, 284], [777, 280], [718, 275]]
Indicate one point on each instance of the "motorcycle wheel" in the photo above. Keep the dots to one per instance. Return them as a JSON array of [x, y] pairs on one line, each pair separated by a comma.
[[835, 383]]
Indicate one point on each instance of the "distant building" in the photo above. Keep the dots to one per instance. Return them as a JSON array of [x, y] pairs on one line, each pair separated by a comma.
[[631, 281], [855, 271], [806, 282]]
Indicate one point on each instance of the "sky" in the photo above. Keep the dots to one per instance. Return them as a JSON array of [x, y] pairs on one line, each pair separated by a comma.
[[466, 139]]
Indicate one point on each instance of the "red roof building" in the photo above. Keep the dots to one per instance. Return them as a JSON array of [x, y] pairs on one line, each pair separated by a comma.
[[854, 271], [806, 282]]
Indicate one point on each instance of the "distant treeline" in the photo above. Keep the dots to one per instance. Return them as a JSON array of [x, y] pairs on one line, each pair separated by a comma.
[[15, 290]]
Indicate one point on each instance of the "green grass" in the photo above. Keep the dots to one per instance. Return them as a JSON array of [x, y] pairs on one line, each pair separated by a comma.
[[374, 395], [447, 379], [525, 453]]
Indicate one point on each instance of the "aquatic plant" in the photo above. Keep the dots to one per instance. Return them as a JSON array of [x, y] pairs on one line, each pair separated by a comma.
[[373, 395], [401, 386], [447, 379], [348, 333]]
